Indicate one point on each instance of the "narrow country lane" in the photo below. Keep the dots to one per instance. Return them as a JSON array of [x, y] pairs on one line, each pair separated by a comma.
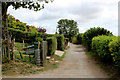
[[76, 64]]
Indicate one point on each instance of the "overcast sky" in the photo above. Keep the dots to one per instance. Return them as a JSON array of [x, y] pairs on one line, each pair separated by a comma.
[[87, 13]]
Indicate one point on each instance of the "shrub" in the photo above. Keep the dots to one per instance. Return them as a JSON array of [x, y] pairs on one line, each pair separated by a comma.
[[114, 48], [92, 32], [100, 46], [17, 34], [79, 38], [60, 42], [52, 44], [74, 40]]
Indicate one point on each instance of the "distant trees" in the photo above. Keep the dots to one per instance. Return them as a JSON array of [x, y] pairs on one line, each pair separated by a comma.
[[69, 28]]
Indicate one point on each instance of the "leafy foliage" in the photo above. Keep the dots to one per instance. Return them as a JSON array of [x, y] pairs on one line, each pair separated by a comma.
[[92, 32], [16, 24], [52, 45], [74, 40], [77, 39], [60, 42], [100, 46], [68, 28], [114, 48]]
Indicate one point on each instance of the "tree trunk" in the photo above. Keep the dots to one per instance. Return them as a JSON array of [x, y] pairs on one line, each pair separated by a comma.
[[8, 41]]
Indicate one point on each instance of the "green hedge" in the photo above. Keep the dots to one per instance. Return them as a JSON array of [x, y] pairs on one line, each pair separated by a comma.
[[52, 44], [92, 32], [114, 48], [79, 38], [60, 42], [29, 37], [100, 46]]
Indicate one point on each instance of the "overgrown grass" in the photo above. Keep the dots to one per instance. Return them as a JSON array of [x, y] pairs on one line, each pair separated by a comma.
[[19, 46], [108, 68], [25, 67]]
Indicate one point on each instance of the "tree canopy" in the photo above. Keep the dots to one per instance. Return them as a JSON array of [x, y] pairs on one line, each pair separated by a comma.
[[68, 28], [36, 6]]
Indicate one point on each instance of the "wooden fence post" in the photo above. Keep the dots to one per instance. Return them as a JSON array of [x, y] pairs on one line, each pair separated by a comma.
[[23, 43]]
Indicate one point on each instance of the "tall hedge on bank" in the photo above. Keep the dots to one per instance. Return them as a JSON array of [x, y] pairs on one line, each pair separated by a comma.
[[60, 42], [52, 44], [92, 32]]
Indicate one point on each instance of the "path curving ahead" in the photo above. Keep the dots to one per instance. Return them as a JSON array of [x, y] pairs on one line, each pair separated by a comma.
[[76, 64]]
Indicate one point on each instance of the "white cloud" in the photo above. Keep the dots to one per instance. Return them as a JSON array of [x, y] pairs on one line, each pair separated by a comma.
[[88, 13]]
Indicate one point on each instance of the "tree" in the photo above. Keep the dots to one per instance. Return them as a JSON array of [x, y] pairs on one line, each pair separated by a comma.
[[68, 28], [30, 5]]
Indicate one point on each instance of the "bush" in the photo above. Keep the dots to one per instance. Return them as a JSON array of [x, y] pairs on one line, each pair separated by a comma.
[[17, 34], [114, 48], [100, 46], [79, 38], [29, 37], [60, 42], [74, 40], [92, 32], [52, 44]]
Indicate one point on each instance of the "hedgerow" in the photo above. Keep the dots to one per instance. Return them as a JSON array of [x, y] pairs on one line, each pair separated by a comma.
[[60, 42], [52, 44], [79, 38], [100, 45], [114, 48], [92, 32]]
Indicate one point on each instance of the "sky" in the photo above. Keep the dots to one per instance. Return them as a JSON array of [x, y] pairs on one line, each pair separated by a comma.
[[87, 13]]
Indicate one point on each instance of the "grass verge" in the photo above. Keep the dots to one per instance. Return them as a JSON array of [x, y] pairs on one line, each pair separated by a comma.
[[25, 67], [108, 68]]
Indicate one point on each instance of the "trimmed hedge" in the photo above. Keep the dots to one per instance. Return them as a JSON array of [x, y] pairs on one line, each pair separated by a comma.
[[52, 44], [60, 42], [92, 32], [100, 46], [114, 48]]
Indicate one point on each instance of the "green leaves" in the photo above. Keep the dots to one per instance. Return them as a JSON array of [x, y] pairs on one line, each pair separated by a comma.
[[92, 32], [52, 44], [67, 27], [102, 45], [60, 42]]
